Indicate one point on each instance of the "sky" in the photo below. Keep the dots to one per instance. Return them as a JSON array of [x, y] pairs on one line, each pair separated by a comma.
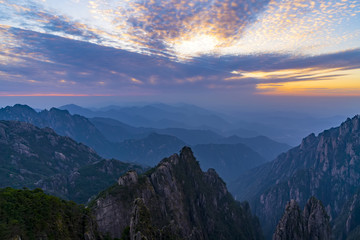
[[263, 53]]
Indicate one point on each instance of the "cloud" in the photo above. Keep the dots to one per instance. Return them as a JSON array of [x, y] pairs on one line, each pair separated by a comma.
[[47, 62], [183, 30]]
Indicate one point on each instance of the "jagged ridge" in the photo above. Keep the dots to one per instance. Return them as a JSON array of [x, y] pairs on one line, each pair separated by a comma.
[[326, 166], [183, 202]]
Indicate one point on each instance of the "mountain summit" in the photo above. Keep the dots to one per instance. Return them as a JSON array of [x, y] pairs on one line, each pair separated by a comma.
[[174, 200]]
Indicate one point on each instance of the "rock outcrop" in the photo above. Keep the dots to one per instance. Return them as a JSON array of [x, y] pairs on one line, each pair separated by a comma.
[[311, 224], [347, 224], [174, 200]]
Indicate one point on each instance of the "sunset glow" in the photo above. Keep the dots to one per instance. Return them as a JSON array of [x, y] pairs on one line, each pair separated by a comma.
[[97, 47]]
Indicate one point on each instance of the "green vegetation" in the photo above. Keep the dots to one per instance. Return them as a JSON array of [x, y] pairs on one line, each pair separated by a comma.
[[32, 214]]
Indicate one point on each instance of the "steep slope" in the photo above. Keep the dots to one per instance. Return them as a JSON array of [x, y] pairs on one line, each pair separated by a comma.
[[34, 157], [229, 160], [266, 147], [28, 154], [347, 224], [326, 166], [312, 224], [63, 123], [175, 200], [29, 214]]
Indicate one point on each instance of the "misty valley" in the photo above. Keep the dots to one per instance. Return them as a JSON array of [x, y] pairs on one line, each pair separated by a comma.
[[179, 120], [171, 172]]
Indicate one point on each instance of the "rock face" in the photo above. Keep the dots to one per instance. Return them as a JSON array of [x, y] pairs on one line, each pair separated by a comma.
[[347, 224], [291, 225], [33, 157], [312, 223], [174, 200], [326, 166]]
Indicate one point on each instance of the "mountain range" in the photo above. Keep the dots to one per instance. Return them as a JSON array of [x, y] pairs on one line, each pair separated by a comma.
[[287, 126], [176, 199], [326, 166], [113, 139], [33, 157]]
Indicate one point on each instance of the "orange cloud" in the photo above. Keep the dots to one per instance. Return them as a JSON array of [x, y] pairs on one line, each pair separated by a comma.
[[343, 83]]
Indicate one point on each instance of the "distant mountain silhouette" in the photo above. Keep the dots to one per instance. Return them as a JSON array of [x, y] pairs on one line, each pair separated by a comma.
[[229, 160], [114, 139], [156, 115], [266, 147]]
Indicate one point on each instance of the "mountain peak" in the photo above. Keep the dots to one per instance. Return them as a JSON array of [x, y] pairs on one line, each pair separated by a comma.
[[351, 125], [19, 108], [57, 110], [183, 202], [312, 223]]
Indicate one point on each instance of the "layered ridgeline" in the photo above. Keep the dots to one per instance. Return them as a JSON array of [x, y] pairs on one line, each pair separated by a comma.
[[63, 123], [27, 214], [326, 166], [174, 200], [113, 139], [229, 160], [33, 157]]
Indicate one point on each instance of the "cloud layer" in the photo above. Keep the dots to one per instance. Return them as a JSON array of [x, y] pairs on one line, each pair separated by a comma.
[[186, 29], [50, 65]]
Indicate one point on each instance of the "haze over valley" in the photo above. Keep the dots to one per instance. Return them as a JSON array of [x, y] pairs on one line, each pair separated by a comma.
[[184, 120]]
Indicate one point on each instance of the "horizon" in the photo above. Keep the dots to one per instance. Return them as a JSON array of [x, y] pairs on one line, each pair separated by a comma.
[[315, 106], [254, 56]]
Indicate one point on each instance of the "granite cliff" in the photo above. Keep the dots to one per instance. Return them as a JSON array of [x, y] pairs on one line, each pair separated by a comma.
[[326, 166], [174, 200], [312, 223]]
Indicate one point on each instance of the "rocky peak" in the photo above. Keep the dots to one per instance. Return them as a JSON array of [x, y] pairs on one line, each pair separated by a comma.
[[181, 202], [128, 179], [291, 225], [351, 125], [312, 223], [316, 220]]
